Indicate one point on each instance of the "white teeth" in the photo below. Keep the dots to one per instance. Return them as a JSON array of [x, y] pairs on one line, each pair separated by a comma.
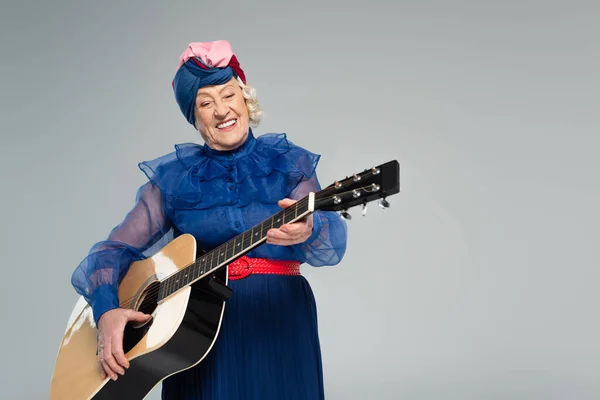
[[226, 124]]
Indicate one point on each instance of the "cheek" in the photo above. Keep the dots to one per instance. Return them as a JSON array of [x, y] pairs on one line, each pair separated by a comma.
[[240, 107], [202, 121]]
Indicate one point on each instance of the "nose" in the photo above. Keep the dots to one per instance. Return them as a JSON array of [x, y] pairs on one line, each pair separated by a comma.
[[221, 109]]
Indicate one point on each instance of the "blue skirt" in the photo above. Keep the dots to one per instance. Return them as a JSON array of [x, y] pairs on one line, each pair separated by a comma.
[[268, 346]]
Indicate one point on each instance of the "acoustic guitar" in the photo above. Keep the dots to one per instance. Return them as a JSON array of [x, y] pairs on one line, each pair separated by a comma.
[[186, 297]]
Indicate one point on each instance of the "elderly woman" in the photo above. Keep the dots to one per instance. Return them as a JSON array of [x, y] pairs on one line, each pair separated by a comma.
[[268, 346]]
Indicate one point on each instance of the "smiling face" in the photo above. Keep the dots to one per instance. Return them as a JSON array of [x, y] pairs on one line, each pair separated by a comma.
[[222, 115]]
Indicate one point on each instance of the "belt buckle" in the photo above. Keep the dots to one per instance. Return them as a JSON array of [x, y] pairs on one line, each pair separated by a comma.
[[247, 271]]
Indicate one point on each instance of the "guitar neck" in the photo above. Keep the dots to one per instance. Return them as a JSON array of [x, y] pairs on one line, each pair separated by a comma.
[[235, 247]]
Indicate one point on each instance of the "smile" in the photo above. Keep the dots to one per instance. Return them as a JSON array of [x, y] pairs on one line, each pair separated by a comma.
[[227, 124]]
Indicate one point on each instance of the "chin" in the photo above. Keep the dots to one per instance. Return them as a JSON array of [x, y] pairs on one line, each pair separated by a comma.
[[231, 143]]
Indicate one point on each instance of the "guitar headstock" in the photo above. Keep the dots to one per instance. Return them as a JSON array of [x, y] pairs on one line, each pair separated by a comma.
[[372, 184]]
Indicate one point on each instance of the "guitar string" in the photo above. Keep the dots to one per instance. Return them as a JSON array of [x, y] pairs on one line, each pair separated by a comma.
[[152, 292], [286, 212], [128, 302]]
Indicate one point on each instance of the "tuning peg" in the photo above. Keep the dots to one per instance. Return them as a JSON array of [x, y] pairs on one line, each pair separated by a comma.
[[346, 215], [383, 203], [364, 209]]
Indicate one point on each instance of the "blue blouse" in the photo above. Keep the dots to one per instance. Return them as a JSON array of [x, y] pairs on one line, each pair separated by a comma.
[[213, 195]]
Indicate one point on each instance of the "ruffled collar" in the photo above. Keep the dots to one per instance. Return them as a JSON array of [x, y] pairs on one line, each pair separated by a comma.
[[268, 161], [256, 156], [229, 155]]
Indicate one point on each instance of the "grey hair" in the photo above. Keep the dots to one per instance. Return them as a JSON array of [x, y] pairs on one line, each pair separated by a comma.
[[254, 111]]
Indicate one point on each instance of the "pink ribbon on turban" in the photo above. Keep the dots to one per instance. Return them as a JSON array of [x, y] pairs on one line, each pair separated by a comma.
[[217, 54]]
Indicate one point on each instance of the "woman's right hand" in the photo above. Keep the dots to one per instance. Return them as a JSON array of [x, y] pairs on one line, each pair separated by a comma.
[[111, 326]]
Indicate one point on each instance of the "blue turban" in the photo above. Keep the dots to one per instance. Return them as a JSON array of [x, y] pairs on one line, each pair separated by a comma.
[[190, 77]]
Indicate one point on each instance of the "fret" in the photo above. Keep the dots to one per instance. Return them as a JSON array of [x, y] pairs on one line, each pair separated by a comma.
[[246, 240], [239, 247], [190, 271], [182, 278], [187, 276], [177, 277], [222, 254], [201, 266], [257, 235], [230, 249], [235, 245], [169, 286], [287, 215], [196, 269], [277, 222]]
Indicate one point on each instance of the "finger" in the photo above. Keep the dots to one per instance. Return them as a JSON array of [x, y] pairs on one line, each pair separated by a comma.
[[277, 234], [282, 238], [294, 230], [285, 242], [109, 372], [299, 228], [117, 345], [110, 360], [106, 371], [138, 316], [103, 373], [284, 203], [101, 369]]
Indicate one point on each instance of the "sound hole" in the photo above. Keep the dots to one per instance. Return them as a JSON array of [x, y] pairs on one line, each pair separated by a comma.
[[149, 298], [134, 331]]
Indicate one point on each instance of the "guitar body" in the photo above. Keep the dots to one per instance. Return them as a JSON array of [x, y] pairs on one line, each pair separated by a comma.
[[180, 334]]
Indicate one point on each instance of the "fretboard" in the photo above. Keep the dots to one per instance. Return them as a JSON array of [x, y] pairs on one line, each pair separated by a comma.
[[234, 248]]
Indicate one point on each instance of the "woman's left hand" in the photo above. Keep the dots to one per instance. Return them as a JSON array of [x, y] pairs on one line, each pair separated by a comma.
[[289, 234]]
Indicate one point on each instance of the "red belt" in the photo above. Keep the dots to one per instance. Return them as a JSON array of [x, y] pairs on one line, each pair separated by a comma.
[[245, 266]]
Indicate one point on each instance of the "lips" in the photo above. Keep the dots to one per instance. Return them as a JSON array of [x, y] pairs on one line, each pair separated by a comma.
[[227, 124]]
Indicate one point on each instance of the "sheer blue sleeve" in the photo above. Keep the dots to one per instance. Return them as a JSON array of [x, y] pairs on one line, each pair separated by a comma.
[[327, 243], [145, 227]]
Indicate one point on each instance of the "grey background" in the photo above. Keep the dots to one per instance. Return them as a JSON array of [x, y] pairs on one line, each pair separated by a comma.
[[479, 283]]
